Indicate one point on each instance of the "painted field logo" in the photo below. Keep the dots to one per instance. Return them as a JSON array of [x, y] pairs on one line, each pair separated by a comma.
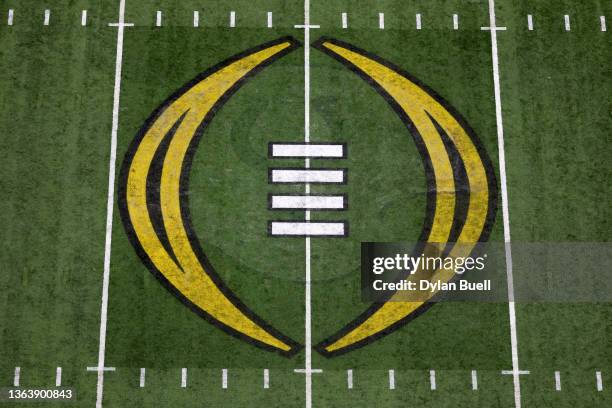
[[154, 183]]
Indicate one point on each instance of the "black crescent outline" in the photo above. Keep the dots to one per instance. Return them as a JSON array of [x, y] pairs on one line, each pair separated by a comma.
[[491, 182], [184, 182]]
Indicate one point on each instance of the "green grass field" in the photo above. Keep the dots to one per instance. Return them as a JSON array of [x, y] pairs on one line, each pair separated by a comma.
[[56, 98]]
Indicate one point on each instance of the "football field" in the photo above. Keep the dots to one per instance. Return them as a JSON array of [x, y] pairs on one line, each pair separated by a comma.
[[140, 260]]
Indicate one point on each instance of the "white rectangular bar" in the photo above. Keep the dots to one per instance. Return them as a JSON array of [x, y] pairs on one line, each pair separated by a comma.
[[307, 176], [10, 17], [232, 19], [332, 151], [391, 379], [512, 372], [17, 377], [494, 28], [183, 377], [98, 369], [306, 370], [418, 21], [224, 378], [47, 17], [312, 202], [142, 377], [474, 380], [266, 378], [381, 21], [344, 20], [530, 22], [432, 379], [307, 229], [602, 21], [599, 381], [196, 18], [84, 18], [349, 379], [455, 21], [158, 19], [58, 377], [557, 381], [269, 19], [566, 18]]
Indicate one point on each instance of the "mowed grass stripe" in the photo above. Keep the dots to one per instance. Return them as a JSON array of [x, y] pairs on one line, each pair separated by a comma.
[[54, 103], [558, 182]]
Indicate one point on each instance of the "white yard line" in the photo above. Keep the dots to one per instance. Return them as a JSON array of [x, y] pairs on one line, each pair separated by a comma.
[[474, 380], [566, 19], [381, 21], [432, 379], [505, 211], [344, 20], [96, 369], [183, 377], [47, 17], [455, 21], [17, 377], [224, 378], [196, 18], [143, 373], [349, 379], [270, 23], [307, 248], [602, 22], [304, 226], [110, 204], [58, 377], [84, 18], [530, 22], [266, 378], [557, 381], [232, 19], [11, 12], [391, 379], [599, 381], [418, 21], [158, 18]]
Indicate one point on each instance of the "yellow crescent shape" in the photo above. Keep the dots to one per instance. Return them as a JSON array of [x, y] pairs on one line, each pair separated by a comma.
[[153, 200], [429, 118]]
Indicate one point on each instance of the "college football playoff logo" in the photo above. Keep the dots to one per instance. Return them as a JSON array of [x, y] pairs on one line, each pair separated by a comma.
[[154, 183]]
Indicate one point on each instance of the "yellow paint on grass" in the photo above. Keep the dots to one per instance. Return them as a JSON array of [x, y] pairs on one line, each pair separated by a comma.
[[418, 105], [188, 276]]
